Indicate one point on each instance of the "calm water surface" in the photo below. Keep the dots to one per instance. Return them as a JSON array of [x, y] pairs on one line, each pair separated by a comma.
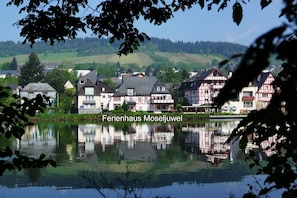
[[128, 160]]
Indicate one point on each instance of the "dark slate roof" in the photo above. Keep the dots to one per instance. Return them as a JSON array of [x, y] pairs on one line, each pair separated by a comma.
[[12, 72], [97, 88], [92, 76], [143, 86], [35, 87], [195, 81], [258, 82], [159, 84], [88, 83], [13, 86], [101, 85]]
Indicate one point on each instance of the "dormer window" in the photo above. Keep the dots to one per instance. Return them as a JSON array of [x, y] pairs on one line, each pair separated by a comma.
[[103, 89], [163, 88], [130, 91], [89, 90], [158, 88], [82, 82]]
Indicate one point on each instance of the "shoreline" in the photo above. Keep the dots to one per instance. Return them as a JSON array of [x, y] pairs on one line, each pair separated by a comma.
[[133, 117]]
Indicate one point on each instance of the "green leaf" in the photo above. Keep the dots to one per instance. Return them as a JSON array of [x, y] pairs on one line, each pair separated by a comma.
[[201, 3], [265, 3], [53, 163], [237, 13]]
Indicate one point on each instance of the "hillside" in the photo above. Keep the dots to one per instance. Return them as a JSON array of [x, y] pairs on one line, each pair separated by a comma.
[[94, 50]]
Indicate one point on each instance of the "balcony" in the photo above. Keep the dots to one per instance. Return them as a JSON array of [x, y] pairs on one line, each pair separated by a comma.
[[248, 98], [89, 102], [162, 101]]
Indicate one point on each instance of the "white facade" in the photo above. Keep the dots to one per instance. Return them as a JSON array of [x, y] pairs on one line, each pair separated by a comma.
[[255, 96], [31, 90], [142, 94]]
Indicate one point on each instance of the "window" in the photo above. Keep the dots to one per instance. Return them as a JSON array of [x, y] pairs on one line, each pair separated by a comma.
[[103, 89], [89, 90], [89, 97], [130, 91], [247, 104], [247, 93], [158, 88], [163, 88]]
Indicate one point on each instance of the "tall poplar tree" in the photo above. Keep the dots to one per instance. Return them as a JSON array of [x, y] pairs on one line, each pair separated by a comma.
[[31, 71]]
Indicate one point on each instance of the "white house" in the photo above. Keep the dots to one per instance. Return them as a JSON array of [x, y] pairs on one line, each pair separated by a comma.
[[68, 85], [31, 90], [93, 96], [255, 96], [143, 94]]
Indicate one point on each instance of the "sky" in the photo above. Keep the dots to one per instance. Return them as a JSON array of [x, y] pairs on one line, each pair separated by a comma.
[[189, 26]]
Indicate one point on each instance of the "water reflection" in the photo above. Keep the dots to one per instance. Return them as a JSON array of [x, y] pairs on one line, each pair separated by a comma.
[[37, 140], [182, 155], [137, 142], [141, 142]]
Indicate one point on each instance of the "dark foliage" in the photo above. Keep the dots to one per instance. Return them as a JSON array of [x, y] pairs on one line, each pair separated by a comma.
[[31, 71], [13, 121], [275, 125]]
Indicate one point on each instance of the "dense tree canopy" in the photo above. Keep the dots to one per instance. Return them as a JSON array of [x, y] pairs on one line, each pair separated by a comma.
[[95, 46], [57, 79], [13, 121], [31, 71]]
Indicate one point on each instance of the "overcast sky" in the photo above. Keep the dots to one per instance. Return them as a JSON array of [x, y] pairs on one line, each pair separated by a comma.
[[193, 25]]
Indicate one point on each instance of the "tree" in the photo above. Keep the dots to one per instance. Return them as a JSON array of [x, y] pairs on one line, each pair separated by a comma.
[[57, 79], [13, 64], [66, 100], [14, 118], [5, 66], [278, 120], [31, 71]]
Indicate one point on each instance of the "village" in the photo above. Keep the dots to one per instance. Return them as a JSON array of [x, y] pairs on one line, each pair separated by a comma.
[[148, 94]]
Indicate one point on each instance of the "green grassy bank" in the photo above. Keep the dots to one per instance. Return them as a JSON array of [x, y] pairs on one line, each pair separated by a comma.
[[121, 117]]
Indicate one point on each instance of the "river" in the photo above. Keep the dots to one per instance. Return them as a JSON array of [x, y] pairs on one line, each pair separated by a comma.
[[131, 160]]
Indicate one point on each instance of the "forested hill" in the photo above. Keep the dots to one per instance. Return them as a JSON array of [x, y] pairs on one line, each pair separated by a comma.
[[95, 46]]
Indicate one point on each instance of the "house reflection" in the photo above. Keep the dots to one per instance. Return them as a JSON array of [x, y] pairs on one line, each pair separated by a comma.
[[137, 142], [36, 141], [208, 141]]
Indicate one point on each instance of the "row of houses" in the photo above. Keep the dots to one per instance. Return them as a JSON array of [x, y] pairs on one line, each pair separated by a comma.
[[148, 93], [201, 90], [139, 92]]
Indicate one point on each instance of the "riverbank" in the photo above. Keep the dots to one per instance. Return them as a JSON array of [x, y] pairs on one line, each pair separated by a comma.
[[121, 117], [112, 117]]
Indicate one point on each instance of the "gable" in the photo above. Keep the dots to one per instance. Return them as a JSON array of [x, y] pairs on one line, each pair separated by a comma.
[[196, 81]]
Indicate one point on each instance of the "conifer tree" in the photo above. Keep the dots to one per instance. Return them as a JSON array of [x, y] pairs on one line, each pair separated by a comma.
[[13, 65], [31, 71]]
